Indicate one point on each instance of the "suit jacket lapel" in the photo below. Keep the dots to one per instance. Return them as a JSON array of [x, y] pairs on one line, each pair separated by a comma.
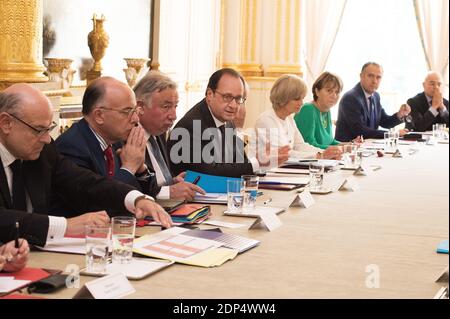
[[4, 189], [35, 185], [94, 147], [364, 100]]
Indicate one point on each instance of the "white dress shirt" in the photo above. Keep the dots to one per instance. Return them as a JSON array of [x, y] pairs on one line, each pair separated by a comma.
[[278, 132], [164, 192], [253, 160]]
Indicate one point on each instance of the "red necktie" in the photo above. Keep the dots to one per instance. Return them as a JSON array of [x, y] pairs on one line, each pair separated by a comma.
[[109, 161]]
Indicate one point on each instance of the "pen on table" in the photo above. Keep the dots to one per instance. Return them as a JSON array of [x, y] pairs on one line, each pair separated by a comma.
[[268, 201], [196, 180], [16, 238]]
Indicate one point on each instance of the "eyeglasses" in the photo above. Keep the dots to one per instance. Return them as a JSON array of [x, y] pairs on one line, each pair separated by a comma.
[[228, 98], [129, 111], [38, 132]]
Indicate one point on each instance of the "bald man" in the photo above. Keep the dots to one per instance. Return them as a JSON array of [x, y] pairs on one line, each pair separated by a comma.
[[110, 116], [429, 107], [32, 171]]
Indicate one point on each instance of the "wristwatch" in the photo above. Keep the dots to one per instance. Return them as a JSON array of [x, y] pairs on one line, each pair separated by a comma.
[[143, 197], [145, 175]]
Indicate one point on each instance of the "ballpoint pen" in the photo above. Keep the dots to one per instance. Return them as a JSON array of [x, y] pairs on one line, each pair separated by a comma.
[[16, 238], [196, 180], [268, 201]]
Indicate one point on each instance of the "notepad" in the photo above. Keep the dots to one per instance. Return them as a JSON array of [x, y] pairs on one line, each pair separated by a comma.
[[172, 244], [443, 247]]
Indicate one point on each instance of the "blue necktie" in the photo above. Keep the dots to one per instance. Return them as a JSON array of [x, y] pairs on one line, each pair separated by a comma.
[[372, 114]]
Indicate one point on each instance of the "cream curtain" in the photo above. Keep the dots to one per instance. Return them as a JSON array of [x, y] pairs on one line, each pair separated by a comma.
[[321, 22], [432, 21]]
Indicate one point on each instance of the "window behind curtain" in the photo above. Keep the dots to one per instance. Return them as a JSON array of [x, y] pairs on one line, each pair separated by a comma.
[[383, 31]]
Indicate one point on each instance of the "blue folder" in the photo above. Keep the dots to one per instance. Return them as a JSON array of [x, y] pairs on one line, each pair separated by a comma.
[[443, 247], [210, 183]]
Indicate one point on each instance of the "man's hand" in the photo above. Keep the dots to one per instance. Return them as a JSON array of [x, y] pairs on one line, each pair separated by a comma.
[[437, 101], [403, 132], [76, 225], [179, 178], [132, 154], [184, 190], [14, 259], [333, 152], [146, 207], [359, 140], [404, 111], [239, 119]]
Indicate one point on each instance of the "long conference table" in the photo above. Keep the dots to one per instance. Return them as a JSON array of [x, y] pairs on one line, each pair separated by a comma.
[[389, 228]]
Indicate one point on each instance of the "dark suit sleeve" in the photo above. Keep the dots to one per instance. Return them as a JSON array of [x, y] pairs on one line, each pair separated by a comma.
[[421, 121], [355, 119], [388, 121], [85, 190], [33, 227]]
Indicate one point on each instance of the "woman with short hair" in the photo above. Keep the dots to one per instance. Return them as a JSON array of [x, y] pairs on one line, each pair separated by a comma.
[[314, 119], [277, 127]]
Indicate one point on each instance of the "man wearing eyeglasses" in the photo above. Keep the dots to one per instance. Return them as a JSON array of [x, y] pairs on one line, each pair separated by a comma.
[[157, 94], [110, 116], [32, 171], [213, 146]]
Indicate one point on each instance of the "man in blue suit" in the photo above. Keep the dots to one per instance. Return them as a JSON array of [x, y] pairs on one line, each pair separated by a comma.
[[360, 110], [110, 116]]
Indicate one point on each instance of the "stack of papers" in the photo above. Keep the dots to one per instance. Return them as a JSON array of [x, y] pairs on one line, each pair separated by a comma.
[[187, 214], [66, 245], [172, 244], [282, 183], [304, 163], [191, 213]]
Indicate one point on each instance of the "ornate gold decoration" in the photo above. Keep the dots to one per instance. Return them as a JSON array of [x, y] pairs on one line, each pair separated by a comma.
[[58, 70], [135, 69], [98, 41], [21, 42], [277, 70], [246, 69]]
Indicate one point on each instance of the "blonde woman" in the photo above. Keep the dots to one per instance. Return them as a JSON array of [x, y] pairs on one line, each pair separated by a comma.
[[277, 126]]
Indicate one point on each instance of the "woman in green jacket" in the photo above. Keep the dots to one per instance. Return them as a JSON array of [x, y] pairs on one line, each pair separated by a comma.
[[314, 119]]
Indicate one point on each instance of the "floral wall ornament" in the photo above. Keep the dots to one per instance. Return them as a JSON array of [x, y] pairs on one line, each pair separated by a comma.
[[58, 70]]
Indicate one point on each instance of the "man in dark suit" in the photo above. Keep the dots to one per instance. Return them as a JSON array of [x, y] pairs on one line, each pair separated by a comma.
[[205, 139], [109, 117], [360, 111], [32, 171], [157, 95], [429, 107]]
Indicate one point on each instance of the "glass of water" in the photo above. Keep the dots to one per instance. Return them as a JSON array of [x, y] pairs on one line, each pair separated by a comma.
[[234, 196], [98, 240], [316, 171], [249, 190], [123, 230]]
